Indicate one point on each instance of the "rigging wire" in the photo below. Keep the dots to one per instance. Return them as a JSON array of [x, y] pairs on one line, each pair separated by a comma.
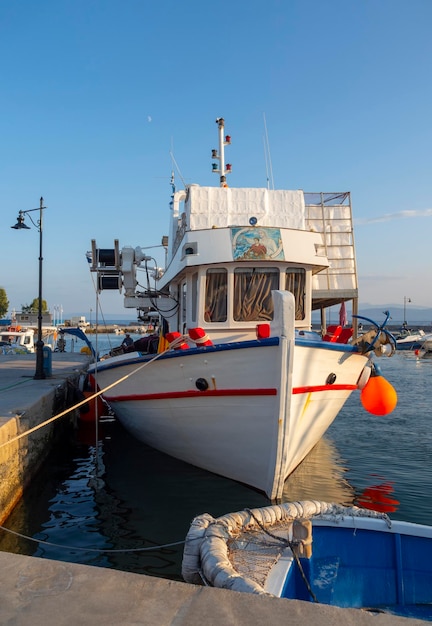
[[178, 170], [151, 293], [268, 155]]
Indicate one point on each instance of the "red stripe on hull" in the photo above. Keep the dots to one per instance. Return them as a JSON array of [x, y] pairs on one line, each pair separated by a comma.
[[222, 393], [191, 393], [315, 388]]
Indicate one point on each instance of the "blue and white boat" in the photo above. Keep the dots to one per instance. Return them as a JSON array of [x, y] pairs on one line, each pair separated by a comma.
[[316, 552], [408, 339]]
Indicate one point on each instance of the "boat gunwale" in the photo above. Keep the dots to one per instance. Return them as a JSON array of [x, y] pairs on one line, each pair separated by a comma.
[[220, 347]]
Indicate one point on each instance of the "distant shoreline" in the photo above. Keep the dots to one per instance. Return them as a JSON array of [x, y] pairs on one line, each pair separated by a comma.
[[120, 329]]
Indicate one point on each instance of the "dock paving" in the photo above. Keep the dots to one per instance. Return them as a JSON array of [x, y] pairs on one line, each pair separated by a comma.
[[42, 592], [19, 390]]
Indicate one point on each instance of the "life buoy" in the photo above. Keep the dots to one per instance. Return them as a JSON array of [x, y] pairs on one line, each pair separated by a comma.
[[174, 340], [200, 337]]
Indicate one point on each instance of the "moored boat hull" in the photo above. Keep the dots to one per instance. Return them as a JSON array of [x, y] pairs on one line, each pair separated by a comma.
[[250, 411], [245, 268]]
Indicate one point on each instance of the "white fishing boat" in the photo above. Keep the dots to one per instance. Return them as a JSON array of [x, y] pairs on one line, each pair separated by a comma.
[[239, 384], [17, 342], [318, 552], [22, 340]]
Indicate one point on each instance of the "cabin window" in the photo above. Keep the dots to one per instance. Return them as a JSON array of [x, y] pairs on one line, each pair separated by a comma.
[[194, 296], [216, 295], [295, 282], [252, 293]]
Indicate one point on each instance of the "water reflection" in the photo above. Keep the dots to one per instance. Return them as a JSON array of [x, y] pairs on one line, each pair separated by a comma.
[[321, 476], [107, 503], [379, 497]]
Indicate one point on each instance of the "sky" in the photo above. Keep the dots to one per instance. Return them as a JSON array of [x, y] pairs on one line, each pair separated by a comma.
[[97, 96]]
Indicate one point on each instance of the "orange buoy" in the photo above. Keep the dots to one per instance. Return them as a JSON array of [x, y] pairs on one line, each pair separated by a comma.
[[378, 396]]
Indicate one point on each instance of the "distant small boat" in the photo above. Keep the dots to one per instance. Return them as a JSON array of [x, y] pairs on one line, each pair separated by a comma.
[[22, 340], [17, 342], [408, 339], [318, 552]]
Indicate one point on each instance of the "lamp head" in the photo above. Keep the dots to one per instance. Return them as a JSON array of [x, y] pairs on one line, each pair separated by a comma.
[[20, 222]]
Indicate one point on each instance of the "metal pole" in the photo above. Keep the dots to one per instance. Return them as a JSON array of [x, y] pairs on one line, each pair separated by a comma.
[[39, 374], [406, 299]]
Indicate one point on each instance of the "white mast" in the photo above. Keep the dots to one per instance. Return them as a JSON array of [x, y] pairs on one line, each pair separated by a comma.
[[220, 156]]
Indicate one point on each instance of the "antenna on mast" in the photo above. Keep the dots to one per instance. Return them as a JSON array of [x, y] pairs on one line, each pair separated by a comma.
[[269, 168], [220, 156], [178, 170]]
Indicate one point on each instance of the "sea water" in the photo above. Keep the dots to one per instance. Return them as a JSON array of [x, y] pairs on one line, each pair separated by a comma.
[[106, 499]]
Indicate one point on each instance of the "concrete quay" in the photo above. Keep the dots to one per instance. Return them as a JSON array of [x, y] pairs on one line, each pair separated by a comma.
[[26, 403], [42, 592]]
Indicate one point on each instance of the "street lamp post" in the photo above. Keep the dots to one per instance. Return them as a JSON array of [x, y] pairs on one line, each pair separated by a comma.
[[405, 303], [40, 373]]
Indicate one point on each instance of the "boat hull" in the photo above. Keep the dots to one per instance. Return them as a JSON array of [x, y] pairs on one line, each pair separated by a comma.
[[249, 411], [316, 551], [412, 344], [342, 572]]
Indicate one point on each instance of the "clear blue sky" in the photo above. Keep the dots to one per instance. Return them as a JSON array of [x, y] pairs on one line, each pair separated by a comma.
[[96, 93]]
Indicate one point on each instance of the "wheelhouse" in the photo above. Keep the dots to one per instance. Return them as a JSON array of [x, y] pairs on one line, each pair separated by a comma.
[[233, 297]]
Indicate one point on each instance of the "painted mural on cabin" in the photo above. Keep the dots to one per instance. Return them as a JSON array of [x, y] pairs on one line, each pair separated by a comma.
[[257, 244]]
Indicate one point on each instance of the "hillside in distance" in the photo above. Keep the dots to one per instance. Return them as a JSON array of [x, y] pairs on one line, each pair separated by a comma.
[[415, 316]]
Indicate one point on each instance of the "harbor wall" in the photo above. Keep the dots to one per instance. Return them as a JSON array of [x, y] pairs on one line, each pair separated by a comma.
[[26, 403]]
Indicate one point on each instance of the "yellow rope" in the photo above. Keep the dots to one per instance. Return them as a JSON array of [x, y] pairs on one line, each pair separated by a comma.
[[90, 398]]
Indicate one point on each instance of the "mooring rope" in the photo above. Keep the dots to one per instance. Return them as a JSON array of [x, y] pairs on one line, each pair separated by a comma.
[[59, 415], [59, 545], [90, 398]]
